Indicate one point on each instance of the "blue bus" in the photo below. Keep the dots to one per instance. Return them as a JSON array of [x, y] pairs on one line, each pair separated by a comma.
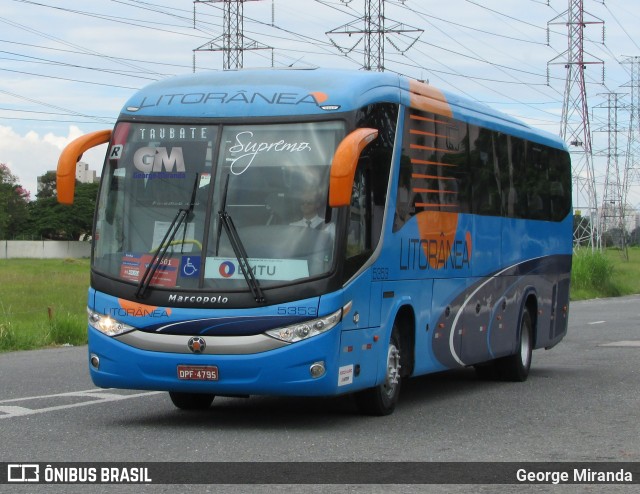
[[320, 232]]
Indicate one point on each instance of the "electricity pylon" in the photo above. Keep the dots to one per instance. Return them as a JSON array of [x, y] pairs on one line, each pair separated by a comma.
[[575, 127], [632, 164], [232, 42], [374, 28], [614, 198]]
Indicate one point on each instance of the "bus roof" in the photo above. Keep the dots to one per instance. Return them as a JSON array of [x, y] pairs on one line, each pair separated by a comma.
[[291, 92]]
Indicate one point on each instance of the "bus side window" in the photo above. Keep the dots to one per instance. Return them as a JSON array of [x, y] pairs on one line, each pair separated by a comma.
[[365, 215], [537, 182], [515, 180], [486, 160], [369, 195], [559, 185], [358, 238]]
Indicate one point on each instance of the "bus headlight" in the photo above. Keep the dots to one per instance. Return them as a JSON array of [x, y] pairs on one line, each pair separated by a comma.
[[107, 325], [307, 329]]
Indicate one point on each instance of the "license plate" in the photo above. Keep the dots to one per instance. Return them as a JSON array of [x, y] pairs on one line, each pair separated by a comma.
[[198, 372]]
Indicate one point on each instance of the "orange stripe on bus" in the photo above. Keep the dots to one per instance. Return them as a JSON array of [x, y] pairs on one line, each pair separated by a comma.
[[429, 120], [416, 161], [423, 133], [427, 98], [420, 175], [436, 191], [427, 148]]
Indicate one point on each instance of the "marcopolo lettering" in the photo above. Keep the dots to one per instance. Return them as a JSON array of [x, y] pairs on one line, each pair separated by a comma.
[[197, 299]]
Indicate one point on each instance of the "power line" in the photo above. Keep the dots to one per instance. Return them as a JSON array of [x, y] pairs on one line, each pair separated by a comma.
[[463, 26], [44, 112], [103, 84], [77, 52], [44, 61], [497, 12], [55, 107], [622, 27], [142, 23], [58, 40]]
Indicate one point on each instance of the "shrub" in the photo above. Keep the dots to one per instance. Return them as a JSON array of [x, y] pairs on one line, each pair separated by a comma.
[[68, 329], [592, 275]]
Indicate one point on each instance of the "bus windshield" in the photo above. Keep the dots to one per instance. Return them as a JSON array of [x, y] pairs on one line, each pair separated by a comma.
[[268, 182]]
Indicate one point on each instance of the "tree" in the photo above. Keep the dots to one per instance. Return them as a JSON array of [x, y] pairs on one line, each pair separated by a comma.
[[47, 185], [616, 237], [14, 203], [55, 221]]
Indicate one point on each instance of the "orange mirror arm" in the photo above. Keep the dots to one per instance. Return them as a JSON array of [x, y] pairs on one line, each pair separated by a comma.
[[71, 154], [343, 166]]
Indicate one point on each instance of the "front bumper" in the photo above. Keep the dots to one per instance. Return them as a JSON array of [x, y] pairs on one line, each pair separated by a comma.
[[279, 371]]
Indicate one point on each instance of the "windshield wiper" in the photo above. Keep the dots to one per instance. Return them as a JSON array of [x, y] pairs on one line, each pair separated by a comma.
[[238, 248], [161, 251]]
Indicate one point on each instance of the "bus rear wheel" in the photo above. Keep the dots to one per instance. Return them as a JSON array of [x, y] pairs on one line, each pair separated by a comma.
[[516, 367], [382, 399], [191, 401]]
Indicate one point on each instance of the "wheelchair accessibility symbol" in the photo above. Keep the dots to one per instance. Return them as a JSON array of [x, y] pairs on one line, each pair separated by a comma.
[[190, 267]]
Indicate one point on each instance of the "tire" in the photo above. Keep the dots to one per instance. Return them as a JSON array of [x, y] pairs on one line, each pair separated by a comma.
[[382, 399], [191, 401], [516, 367]]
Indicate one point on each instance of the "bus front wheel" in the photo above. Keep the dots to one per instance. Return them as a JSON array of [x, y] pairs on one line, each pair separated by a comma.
[[191, 401], [382, 399]]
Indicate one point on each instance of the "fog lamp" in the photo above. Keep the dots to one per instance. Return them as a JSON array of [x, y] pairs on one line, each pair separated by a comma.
[[317, 370]]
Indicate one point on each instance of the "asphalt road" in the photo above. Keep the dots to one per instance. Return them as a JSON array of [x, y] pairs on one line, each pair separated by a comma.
[[580, 403]]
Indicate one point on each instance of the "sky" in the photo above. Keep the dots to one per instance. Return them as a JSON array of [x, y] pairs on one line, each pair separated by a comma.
[[68, 66]]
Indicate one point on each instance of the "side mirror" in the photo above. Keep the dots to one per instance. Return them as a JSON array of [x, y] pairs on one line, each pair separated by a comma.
[[71, 154], [344, 163]]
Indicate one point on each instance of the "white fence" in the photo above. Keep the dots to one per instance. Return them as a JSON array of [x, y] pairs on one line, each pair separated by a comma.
[[44, 249]]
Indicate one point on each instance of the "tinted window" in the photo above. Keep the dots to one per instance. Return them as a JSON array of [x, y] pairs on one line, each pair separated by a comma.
[[447, 165], [433, 168]]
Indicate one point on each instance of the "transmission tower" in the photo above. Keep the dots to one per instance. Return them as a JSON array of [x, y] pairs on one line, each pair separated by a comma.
[[575, 127], [632, 166], [374, 28], [232, 43], [614, 199]]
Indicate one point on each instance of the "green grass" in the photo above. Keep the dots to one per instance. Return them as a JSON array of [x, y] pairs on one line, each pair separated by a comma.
[[627, 273], [43, 302], [604, 274]]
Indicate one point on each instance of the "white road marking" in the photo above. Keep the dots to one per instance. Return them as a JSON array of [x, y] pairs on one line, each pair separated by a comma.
[[625, 343], [596, 322], [93, 397], [14, 411]]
